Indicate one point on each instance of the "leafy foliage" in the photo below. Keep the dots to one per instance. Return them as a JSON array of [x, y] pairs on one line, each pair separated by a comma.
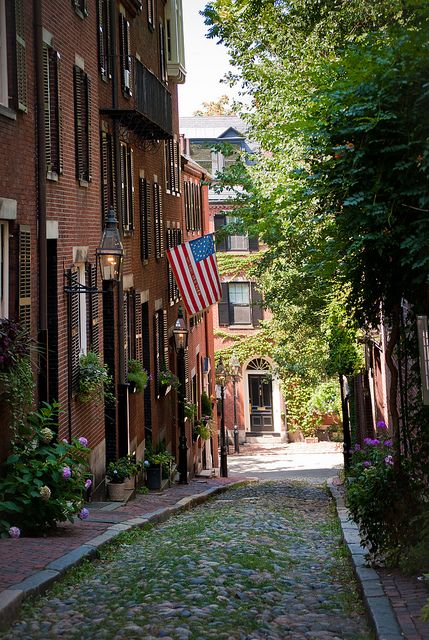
[[44, 480], [137, 375], [95, 382]]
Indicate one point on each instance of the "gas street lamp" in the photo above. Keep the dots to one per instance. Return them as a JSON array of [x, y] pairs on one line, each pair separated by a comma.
[[234, 367], [221, 379], [181, 333]]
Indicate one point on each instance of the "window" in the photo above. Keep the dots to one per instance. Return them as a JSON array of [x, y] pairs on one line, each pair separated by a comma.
[[202, 154], [82, 113], [82, 334], [158, 222], [192, 206], [125, 49], [53, 125], [174, 238], [239, 242], [104, 45], [4, 91], [108, 173], [145, 219], [172, 167], [80, 7], [240, 304], [127, 187], [4, 269]]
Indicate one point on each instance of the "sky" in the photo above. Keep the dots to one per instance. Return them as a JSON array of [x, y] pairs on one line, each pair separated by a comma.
[[206, 62]]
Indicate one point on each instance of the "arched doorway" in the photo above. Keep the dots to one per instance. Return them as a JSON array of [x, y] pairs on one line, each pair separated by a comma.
[[260, 393]]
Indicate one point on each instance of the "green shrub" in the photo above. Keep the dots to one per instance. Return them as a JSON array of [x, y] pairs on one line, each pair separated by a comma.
[[161, 456], [44, 480], [123, 468], [206, 405]]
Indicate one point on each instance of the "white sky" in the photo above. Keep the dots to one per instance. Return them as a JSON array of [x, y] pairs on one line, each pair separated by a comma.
[[206, 62]]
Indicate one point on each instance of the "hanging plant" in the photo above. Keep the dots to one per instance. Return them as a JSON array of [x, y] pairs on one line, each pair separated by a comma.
[[168, 379], [95, 383], [137, 375]]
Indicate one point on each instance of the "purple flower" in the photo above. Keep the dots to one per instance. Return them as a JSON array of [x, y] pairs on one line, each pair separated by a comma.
[[357, 447], [83, 441], [88, 483], [83, 514], [66, 472], [388, 459], [387, 443], [367, 463], [367, 441], [14, 532], [375, 442], [381, 424]]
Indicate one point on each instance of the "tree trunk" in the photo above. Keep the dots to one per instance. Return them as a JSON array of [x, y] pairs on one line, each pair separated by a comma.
[[393, 391]]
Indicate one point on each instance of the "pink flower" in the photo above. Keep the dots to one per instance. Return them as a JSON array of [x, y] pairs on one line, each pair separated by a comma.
[[83, 514], [14, 532], [83, 441], [67, 472], [388, 459], [88, 483]]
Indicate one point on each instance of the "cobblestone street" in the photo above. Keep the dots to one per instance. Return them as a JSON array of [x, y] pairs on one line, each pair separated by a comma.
[[262, 561]]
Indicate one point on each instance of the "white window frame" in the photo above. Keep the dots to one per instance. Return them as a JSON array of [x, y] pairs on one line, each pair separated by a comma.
[[4, 98], [83, 310], [4, 268]]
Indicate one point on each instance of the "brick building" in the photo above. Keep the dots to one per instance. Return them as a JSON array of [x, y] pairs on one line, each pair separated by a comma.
[[258, 402], [89, 117]]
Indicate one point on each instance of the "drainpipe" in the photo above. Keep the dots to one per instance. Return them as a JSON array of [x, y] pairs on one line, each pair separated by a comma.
[[41, 206]]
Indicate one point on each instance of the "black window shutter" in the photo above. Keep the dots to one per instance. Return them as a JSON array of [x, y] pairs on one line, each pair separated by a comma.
[[170, 277], [138, 326], [220, 221], [223, 306], [163, 68], [150, 13], [157, 351], [21, 71], [124, 34], [73, 328], [24, 276], [253, 243], [123, 178], [78, 114], [104, 172], [159, 231], [145, 228], [87, 132], [130, 185], [165, 339], [103, 7], [47, 106], [257, 309], [126, 335]]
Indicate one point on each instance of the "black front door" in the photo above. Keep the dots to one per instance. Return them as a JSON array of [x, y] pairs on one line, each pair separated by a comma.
[[261, 401]]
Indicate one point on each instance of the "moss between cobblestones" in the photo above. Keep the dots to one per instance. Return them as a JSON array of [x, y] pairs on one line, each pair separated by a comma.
[[260, 562]]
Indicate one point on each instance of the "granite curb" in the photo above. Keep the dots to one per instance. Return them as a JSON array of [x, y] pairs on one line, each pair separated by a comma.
[[377, 603], [12, 598]]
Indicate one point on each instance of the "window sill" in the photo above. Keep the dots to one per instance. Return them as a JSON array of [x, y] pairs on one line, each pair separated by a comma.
[[84, 184], [7, 113], [52, 175]]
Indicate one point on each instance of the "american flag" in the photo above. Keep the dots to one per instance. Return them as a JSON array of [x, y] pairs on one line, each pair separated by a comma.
[[195, 269]]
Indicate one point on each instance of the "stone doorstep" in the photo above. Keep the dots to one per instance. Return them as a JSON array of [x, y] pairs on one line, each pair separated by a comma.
[[378, 605], [36, 584]]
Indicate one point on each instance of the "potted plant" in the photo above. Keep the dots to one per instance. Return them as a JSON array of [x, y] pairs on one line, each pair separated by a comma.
[[158, 464], [203, 428], [117, 473], [190, 410], [137, 376], [94, 379]]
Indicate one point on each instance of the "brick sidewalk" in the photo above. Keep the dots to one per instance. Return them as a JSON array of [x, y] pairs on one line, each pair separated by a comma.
[[22, 558], [407, 596]]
